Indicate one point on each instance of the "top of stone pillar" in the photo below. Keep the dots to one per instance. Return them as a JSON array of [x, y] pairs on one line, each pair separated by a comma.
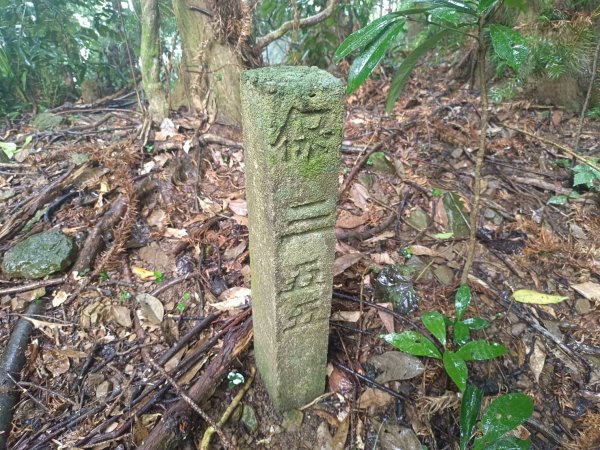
[[292, 80]]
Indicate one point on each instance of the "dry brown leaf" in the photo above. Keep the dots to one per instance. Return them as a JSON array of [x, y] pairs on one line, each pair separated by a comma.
[[373, 397], [346, 316], [348, 220], [344, 262], [239, 207], [121, 315], [233, 252], [359, 195], [152, 307], [175, 233], [55, 363]]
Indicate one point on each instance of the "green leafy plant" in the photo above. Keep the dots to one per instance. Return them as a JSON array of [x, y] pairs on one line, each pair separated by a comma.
[[104, 276], [586, 175], [454, 357], [444, 17], [123, 296], [234, 378], [181, 305], [503, 415]]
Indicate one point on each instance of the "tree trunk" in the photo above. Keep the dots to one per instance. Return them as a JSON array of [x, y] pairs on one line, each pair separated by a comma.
[[210, 68], [150, 60]]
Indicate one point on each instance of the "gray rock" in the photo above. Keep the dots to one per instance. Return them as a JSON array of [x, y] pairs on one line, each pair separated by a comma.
[[40, 255]]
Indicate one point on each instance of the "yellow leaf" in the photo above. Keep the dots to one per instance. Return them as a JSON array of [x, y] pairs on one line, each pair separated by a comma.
[[538, 298], [143, 273]]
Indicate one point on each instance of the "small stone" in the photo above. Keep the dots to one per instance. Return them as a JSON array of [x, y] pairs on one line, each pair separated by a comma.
[[456, 153], [249, 418], [517, 329], [40, 255], [489, 213], [292, 420], [583, 306]]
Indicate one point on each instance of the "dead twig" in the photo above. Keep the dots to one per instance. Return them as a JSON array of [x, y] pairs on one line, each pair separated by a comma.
[[169, 433], [32, 286], [359, 164]]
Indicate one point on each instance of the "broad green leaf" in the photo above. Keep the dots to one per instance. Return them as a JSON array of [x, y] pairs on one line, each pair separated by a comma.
[[434, 322], [509, 45], [538, 298], [456, 5], [509, 443], [461, 334], [456, 368], [414, 343], [407, 67], [476, 323], [481, 350], [559, 200], [585, 178], [364, 36], [503, 415], [364, 64], [469, 411], [484, 5], [462, 300]]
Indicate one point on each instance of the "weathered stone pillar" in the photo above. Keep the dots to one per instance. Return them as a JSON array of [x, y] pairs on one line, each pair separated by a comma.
[[292, 118]]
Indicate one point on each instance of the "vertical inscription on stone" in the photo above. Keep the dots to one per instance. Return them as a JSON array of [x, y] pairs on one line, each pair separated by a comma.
[[292, 118]]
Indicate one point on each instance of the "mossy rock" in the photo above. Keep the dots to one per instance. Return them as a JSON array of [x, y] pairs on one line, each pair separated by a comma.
[[40, 255]]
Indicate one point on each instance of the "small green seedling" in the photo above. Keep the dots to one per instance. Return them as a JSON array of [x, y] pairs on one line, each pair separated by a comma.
[[181, 305], [104, 276], [502, 416], [149, 148], [454, 357], [124, 296], [436, 192], [159, 277], [234, 378], [406, 252], [10, 149]]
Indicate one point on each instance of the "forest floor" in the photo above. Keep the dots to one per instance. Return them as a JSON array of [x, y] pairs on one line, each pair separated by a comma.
[[112, 352]]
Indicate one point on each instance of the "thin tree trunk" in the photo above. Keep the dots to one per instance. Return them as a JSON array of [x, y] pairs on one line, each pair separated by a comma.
[[150, 60], [587, 97], [481, 51]]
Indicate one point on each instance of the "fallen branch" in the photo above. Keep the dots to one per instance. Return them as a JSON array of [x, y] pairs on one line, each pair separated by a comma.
[[171, 430], [564, 148], [11, 364], [32, 286]]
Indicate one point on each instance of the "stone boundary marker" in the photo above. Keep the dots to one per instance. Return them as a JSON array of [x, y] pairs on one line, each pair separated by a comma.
[[293, 119]]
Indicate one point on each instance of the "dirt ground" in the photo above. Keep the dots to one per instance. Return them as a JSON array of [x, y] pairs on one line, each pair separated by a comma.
[[181, 236]]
